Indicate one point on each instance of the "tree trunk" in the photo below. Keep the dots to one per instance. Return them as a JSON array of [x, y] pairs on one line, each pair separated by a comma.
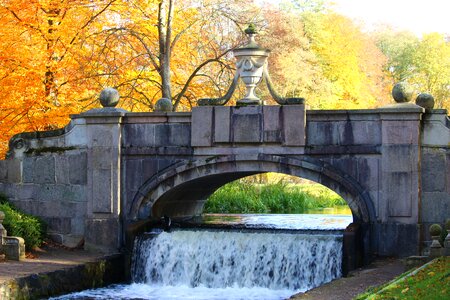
[[165, 14]]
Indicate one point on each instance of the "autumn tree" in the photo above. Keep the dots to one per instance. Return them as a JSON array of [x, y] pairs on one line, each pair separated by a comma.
[[422, 62], [39, 71], [348, 58], [175, 50], [432, 68], [293, 66]]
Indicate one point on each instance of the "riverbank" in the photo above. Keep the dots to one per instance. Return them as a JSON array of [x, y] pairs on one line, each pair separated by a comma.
[[55, 270], [358, 281]]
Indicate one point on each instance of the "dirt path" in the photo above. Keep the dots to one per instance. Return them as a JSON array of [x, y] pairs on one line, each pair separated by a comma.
[[377, 273]]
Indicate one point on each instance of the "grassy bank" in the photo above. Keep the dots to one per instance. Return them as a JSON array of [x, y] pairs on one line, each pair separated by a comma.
[[275, 198], [431, 282]]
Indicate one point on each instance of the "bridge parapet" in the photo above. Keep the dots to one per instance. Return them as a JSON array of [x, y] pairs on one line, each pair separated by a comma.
[[225, 126]]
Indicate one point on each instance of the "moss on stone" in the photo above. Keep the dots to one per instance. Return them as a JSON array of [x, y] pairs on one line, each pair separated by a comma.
[[435, 230]]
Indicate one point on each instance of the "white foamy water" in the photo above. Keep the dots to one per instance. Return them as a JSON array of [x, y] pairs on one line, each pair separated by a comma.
[[219, 259], [157, 292], [228, 265]]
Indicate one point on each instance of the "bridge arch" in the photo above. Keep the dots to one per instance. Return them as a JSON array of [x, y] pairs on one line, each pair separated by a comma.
[[181, 189]]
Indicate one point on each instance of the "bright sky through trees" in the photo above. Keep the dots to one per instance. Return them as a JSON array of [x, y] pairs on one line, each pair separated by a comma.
[[417, 16]]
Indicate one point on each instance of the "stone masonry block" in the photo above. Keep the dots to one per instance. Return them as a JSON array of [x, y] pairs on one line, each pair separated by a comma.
[[59, 192], [57, 224], [14, 171], [62, 169], [400, 132], [136, 135], [247, 128], [294, 123], [102, 158], [397, 239], [222, 121], [133, 178], [271, 124], [179, 135], [435, 207], [102, 234], [323, 133], [365, 133], [369, 173], [247, 110], [399, 193], [78, 168], [434, 172], [101, 135], [39, 169], [102, 193], [162, 135], [77, 225], [47, 209], [201, 126], [400, 158]]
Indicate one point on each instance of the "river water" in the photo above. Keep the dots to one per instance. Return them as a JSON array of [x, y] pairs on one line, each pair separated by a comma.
[[270, 257]]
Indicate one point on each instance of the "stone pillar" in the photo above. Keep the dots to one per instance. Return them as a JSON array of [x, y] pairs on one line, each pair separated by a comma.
[[398, 214], [103, 228]]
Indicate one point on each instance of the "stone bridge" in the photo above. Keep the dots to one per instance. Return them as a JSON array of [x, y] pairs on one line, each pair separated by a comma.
[[110, 170]]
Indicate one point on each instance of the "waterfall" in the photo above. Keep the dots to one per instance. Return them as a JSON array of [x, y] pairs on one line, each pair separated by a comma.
[[222, 259]]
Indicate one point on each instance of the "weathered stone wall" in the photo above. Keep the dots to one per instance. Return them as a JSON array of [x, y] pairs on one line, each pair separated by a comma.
[[46, 176], [435, 170]]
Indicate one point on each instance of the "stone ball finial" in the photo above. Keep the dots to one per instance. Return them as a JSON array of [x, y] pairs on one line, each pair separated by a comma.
[[109, 97], [435, 230], [163, 105], [425, 100], [402, 92]]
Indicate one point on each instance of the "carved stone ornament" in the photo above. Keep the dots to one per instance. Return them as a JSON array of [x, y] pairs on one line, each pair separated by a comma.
[[251, 65]]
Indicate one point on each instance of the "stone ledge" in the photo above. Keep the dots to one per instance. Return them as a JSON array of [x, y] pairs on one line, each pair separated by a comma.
[[100, 273]]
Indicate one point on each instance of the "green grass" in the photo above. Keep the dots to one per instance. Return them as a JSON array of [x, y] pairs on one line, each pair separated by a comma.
[[16, 223], [431, 282], [275, 198]]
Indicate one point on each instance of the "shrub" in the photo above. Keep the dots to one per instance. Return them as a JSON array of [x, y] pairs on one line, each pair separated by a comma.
[[17, 223]]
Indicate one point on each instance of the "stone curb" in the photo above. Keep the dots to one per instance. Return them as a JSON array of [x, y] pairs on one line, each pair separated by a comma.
[[99, 273]]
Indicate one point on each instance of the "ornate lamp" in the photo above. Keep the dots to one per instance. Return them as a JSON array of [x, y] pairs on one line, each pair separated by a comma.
[[251, 65]]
